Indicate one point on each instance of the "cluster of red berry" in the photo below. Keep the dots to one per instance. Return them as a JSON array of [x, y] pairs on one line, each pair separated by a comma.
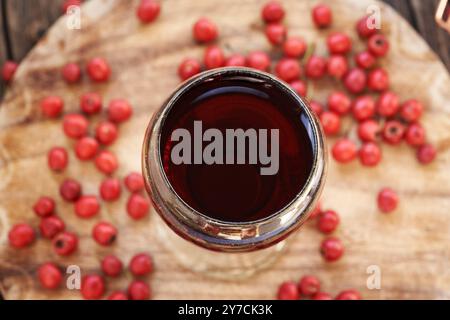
[[88, 147], [309, 288]]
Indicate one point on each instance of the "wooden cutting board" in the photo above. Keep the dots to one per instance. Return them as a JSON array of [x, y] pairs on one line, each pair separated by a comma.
[[411, 246]]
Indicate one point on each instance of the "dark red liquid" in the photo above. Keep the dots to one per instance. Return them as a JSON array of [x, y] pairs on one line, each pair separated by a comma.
[[238, 192]]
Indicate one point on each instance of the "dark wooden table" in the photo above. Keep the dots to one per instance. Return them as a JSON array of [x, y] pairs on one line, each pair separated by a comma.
[[24, 22]]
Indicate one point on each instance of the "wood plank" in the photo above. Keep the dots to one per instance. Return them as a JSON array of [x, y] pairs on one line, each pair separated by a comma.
[[28, 21], [410, 245]]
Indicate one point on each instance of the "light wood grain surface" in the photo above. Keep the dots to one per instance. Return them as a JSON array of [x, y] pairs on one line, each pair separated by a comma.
[[411, 246]]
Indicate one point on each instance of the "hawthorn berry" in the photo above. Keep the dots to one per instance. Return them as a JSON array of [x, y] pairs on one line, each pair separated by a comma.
[[111, 266], [344, 150], [415, 135], [365, 60], [134, 182], [139, 290], [119, 110], [288, 69], [258, 60], [98, 70], [91, 103], [49, 275], [426, 153], [393, 131], [337, 66], [370, 154], [364, 29], [148, 10], [204, 30], [316, 107], [137, 206], [236, 60], [387, 104], [188, 68], [70, 190], [104, 233], [71, 73], [106, 132], [315, 67], [276, 33], [378, 80], [299, 87], [87, 206], [288, 291], [294, 47], [75, 125], [214, 57], [363, 108], [110, 189], [387, 200], [309, 286], [106, 162], [52, 106], [331, 123], [44, 207], [339, 43], [331, 249], [328, 221], [350, 294], [51, 226], [92, 287], [86, 148], [355, 80], [411, 110], [339, 103], [272, 11], [21, 235], [378, 45], [141, 264], [57, 158], [8, 70], [322, 16], [368, 130], [65, 243]]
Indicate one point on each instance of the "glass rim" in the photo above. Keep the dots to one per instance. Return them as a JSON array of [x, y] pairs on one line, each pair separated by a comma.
[[217, 234]]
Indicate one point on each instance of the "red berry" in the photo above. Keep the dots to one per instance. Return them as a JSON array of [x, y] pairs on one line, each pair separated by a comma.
[[65, 243], [337, 66], [57, 158], [415, 135], [288, 291], [8, 70], [309, 285], [87, 206], [316, 107], [411, 110], [75, 125], [117, 295], [141, 264], [331, 123], [110, 189], [70, 190], [363, 108], [272, 11], [214, 57], [86, 148], [258, 60], [98, 70], [44, 207], [276, 33], [339, 43], [236, 60], [328, 221], [387, 104], [368, 130], [104, 233], [49, 276], [378, 45], [119, 110], [321, 296], [52, 106], [137, 206], [294, 47], [387, 200], [378, 80], [148, 10], [331, 249], [364, 29], [91, 103], [67, 3], [339, 102], [106, 132], [71, 73], [426, 153], [315, 67], [92, 287], [106, 162], [51, 226], [393, 131], [299, 86], [139, 290], [370, 154], [204, 30], [365, 60], [355, 80], [111, 266], [344, 150], [350, 294], [322, 16], [288, 69], [21, 235], [188, 68], [134, 182]]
